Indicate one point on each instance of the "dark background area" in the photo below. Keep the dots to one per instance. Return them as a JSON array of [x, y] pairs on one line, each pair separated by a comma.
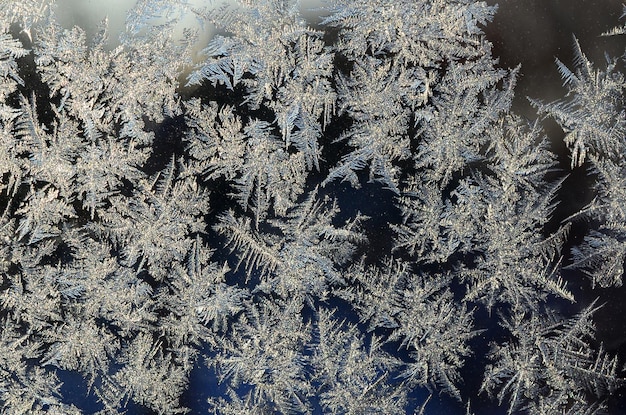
[[535, 32]]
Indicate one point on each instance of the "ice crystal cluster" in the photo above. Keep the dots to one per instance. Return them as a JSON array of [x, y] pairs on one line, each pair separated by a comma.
[[150, 230]]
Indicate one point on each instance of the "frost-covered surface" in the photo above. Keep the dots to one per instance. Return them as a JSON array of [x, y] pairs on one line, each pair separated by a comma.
[[147, 234]]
